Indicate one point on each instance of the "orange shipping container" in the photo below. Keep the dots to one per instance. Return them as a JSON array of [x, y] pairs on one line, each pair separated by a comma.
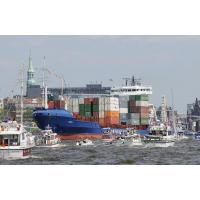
[[111, 120], [101, 121], [111, 114]]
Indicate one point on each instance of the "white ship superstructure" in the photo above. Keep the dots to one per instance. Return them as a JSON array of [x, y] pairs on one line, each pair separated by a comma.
[[133, 87]]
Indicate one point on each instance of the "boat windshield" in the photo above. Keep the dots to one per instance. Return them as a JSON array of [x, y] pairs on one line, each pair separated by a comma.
[[9, 140]]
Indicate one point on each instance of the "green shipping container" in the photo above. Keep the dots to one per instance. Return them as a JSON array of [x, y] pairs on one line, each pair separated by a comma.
[[82, 113], [82, 107], [95, 108], [132, 97], [88, 108], [88, 114], [144, 121], [143, 97]]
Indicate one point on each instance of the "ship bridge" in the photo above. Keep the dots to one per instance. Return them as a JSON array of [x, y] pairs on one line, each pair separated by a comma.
[[131, 90]]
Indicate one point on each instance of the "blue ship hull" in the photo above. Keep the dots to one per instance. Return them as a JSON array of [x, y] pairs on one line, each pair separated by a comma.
[[64, 124]]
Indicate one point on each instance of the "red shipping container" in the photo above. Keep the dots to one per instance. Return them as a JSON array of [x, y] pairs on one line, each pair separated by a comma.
[[88, 100], [59, 104], [75, 114], [144, 109], [134, 109], [96, 114], [138, 109], [51, 105], [111, 120], [96, 101], [132, 103]]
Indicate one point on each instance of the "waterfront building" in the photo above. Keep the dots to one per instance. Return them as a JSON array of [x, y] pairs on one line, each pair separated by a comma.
[[193, 116]]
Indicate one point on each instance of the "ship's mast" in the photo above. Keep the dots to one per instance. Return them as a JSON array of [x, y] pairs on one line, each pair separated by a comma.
[[46, 98], [62, 89], [43, 83]]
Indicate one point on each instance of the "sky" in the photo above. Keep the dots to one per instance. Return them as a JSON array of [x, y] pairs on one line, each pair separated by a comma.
[[164, 62]]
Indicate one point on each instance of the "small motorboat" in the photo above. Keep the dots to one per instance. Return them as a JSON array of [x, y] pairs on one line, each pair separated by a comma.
[[85, 142], [189, 133], [158, 141], [47, 138], [136, 140], [197, 136], [108, 137]]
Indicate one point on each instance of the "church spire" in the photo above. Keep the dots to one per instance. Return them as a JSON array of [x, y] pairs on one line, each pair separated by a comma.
[[30, 73], [30, 67]]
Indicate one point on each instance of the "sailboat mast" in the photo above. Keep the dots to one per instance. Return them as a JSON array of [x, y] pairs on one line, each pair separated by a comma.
[[62, 85], [173, 115], [22, 94]]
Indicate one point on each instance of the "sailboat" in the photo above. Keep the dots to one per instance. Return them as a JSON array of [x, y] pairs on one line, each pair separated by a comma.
[[15, 141]]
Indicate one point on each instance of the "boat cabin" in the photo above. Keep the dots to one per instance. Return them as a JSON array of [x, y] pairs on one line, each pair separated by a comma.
[[11, 135]]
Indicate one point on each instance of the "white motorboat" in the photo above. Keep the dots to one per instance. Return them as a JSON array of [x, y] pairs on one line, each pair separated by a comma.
[[85, 142], [108, 137], [197, 136], [136, 140], [15, 141], [47, 138], [158, 141]]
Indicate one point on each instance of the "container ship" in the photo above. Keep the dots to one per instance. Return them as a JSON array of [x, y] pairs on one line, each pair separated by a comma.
[[83, 117], [65, 125]]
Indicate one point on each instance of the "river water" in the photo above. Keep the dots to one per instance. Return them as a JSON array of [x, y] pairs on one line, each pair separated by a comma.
[[184, 152]]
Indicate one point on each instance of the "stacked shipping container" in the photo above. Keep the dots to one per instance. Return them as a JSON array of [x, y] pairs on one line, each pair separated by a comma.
[[123, 105], [111, 114], [104, 110], [59, 104], [138, 107], [125, 110]]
